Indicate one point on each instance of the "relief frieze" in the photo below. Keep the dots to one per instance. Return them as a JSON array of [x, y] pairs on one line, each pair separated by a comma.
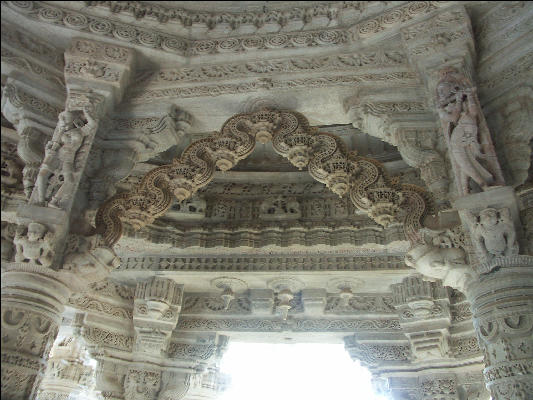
[[280, 18], [343, 62], [266, 83], [304, 262], [256, 235], [129, 33], [293, 325]]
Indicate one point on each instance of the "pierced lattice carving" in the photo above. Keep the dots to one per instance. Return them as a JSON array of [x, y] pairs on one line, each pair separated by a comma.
[[328, 161]]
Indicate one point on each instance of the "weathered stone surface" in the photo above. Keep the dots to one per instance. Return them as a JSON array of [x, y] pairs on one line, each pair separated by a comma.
[[185, 174]]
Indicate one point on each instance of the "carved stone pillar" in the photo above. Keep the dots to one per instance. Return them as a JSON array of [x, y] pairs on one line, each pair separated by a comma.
[[32, 304], [142, 384], [109, 378], [498, 281], [502, 307], [68, 374], [196, 375], [155, 314], [498, 284], [501, 296], [37, 284]]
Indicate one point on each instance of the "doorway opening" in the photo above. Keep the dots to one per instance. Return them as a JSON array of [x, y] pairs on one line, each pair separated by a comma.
[[311, 371]]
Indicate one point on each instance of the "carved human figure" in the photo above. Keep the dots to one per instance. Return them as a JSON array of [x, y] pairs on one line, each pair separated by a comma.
[[35, 247], [460, 116], [91, 265], [11, 173], [7, 241], [446, 263], [60, 157], [142, 385], [299, 156], [493, 233]]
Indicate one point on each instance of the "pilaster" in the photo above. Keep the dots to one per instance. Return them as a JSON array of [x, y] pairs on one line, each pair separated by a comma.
[[48, 264], [486, 264]]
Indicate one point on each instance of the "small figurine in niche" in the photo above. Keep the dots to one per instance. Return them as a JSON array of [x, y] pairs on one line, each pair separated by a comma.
[[35, 247], [493, 233]]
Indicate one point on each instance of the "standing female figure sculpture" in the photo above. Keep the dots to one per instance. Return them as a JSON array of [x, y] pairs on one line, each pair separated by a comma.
[[466, 134]]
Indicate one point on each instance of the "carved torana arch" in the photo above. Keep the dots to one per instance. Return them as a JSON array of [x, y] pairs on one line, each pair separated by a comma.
[[371, 190]]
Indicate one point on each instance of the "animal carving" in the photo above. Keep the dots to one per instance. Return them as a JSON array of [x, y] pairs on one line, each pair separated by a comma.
[[445, 263]]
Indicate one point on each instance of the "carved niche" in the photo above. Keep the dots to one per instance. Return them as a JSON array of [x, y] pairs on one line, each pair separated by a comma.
[[34, 245], [280, 207]]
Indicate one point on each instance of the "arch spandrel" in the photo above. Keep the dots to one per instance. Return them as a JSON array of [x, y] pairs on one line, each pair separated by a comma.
[[370, 188]]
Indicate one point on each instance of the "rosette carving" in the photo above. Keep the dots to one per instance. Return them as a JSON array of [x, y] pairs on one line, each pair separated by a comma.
[[327, 158]]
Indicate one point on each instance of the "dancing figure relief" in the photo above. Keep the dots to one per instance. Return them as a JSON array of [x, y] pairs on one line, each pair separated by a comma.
[[467, 137], [56, 181]]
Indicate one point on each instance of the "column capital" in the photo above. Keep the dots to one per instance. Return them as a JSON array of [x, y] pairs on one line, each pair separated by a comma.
[[105, 67], [156, 310]]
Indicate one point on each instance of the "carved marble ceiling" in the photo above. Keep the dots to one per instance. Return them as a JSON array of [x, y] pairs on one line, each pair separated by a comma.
[[329, 60]]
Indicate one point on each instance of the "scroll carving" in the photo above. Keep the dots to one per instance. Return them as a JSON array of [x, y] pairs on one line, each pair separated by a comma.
[[325, 155]]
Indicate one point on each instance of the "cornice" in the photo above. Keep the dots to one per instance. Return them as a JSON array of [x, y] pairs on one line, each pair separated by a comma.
[[266, 84], [23, 100], [174, 44], [273, 235], [225, 21], [18, 63], [500, 26], [263, 263], [357, 61], [21, 42]]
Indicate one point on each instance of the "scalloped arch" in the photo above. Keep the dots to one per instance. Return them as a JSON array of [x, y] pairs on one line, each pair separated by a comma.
[[371, 190]]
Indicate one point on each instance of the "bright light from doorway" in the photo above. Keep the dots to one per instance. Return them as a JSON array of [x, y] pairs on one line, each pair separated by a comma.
[[294, 371]]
